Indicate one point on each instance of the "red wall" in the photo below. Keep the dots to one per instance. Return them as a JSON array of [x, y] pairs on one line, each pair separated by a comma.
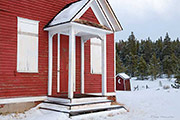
[[13, 84], [90, 16], [20, 84]]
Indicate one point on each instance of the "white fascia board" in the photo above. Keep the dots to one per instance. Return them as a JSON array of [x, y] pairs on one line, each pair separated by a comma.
[[109, 7], [53, 28], [64, 29], [110, 14], [107, 16], [90, 29], [22, 100], [104, 15]]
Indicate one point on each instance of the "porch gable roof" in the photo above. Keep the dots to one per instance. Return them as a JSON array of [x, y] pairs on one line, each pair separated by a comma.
[[73, 11]]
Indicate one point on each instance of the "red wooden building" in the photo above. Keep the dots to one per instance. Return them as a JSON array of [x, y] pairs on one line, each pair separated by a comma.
[[56, 48]]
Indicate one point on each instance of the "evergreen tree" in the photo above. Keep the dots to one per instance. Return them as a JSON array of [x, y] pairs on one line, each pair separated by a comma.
[[132, 44], [147, 50], [119, 65], [174, 64], [142, 68], [167, 49], [159, 57], [154, 69], [167, 67]]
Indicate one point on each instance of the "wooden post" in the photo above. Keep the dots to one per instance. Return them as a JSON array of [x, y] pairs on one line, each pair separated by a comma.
[[58, 63], [82, 66], [71, 75], [104, 71], [50, 60]]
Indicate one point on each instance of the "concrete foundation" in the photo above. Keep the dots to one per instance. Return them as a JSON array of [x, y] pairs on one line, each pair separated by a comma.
[[17, 107]]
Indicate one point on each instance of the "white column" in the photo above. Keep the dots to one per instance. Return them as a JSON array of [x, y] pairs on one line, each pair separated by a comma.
[[58, 63], [71, 76], [74, 59], [82, 66], [104, 78], [50, 60], [114, 65]]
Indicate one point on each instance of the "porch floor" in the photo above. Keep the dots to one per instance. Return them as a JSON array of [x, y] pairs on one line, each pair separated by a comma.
[[65, 96]]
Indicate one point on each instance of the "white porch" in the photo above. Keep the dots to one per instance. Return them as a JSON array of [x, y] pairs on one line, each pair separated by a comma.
[[74, 29]]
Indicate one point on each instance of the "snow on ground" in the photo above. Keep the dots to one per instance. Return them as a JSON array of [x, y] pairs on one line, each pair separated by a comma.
[[154, 103]]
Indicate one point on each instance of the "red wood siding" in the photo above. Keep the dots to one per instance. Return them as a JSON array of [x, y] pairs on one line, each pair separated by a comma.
[[93, 81], [90, 16], [13, 84]]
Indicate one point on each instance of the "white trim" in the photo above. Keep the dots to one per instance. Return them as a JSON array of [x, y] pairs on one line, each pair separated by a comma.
[[113, 15], [20, 19], [74, 60], [104, 69], [22, 100], [82, 66], [64, 28], [71, 72], [103, 13], [114, 62], [107, 94], [50, 64], [58, 63], [90, 29]]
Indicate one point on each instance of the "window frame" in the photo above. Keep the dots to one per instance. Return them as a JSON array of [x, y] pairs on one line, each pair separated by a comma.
[[20, 19]]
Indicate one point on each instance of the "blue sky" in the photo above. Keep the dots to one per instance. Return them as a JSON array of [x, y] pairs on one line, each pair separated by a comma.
[[147, 18]]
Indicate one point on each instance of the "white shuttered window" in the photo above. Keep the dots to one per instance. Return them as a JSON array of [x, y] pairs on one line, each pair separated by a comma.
[[96, 56], [27, 51]]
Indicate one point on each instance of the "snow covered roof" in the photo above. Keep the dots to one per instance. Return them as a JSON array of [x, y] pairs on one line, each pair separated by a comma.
[[124, 76], [75, 10]]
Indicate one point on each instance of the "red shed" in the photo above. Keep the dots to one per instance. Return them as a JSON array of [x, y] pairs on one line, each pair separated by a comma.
[[123, 82]]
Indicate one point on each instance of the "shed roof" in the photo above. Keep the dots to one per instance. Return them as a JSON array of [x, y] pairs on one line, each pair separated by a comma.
[[71, 12], [123, 76]]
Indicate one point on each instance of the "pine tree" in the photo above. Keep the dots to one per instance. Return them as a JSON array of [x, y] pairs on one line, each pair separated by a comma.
[[132, 44], [142, 68], [154, 69], [131, 61], [174, 63], [148, 50], [119, 65], [167, 67], [167, 49]]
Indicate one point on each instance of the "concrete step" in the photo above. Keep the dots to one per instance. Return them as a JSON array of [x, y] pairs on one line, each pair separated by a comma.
[[91, 104], [89, 99], [84, 111]]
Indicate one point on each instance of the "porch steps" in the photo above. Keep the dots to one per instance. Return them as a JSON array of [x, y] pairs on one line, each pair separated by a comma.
[[72, 106], [79, 106], [86, 111]]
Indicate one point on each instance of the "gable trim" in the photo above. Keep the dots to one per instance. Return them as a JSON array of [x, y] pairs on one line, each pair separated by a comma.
[[47, 26], [105, 15], [85, 7], [114, 14]]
